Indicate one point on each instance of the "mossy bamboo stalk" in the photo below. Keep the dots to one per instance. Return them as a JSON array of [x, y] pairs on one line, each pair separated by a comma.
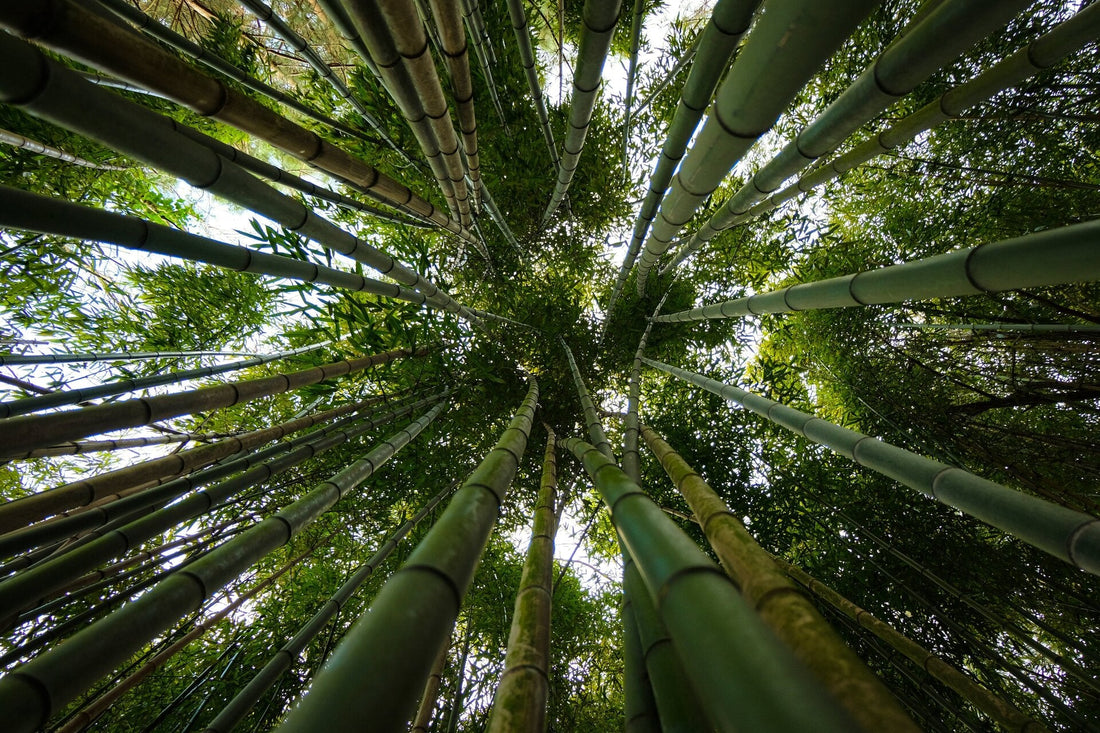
[[1066, 534], [20, 434], [414, 612], [527, 60], [34, 691], [787, 46], [1042, 53], [74, 31], [448, 21], [762, 686], [98, 446], [1000, 711], [243, 702], [33, 146], [21, 512], [60, 398], [1052, 257], [780, 603], [46, 89], [34, 212], [728, 22], [423, 719], [520, 701], [93, 709], [599, 18]]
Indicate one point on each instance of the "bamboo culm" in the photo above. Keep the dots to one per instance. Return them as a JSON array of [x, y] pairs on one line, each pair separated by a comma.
[[34, 691], [412, 615], [1068, 535], [16, 140], [527, 60]]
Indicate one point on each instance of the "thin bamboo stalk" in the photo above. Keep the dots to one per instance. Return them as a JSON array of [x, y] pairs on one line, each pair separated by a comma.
[[788, 44], [639, 707], [1066, 534], [1006, 327], [33, 146], [101, 44], [34, 212], [20, 434], [33, 691], [520, 701], [1042, 53], [343, 25], [414, 612], [664, 81], [780, 603], [21, 512], [999, 711], [110, 389], [633, 397], [99, 446], [475, 24], [591, 419], [1052, 257], [631, 76], [761, 687], [599, 18], [243, 702], [426, 708], [94, 356], [527, 60]]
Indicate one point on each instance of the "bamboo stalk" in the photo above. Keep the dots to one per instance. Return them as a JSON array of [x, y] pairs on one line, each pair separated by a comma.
[[94, 356], [37, 689], [1066, 534], [426, 708], [99, 446], [520, 701], [527, 60], [1042, 53], [33, 146], [787, 46], [414, 612], [599, 19], [475, 23], [20, 434], [1052, 257], [779, 602], [631, 74], [762, 686], [1007, 327], [243, 702]]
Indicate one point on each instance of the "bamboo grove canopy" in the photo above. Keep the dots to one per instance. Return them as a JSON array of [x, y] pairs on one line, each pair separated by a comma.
[[444, 365]]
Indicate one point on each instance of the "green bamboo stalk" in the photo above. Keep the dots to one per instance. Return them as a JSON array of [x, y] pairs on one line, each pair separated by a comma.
[[1042, 53], [34, 212], [498, 218], [761, 686], [591, 419], [780, 603], [243, 702], [21, 512], [33, 146], [24, 589], [60, 398], [640, 709], [1001, 712], [1006, 327], [921, 50], [599, 18], [520, 701], [94, 356], [1066, 534], [424, 710], [787, 46], [633, 397], [67, 28], [728, 22], [675, 71], [412, 615], [631, 74], [483, 49], [46, 89], [1052, 257], [527, 60], [93, 709], [20, 434], [99, 446], [36, 690]]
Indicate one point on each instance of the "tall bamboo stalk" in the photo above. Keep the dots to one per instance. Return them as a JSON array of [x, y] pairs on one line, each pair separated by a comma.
[[999, 711], [36, 690], [631, 76], [633, 397], [1052, 257], [599, 18], [780, 603], [527, 60], [426, 707], [1042, 53], [20, 434], [243, 702], [21, 512], [98, 446], [788, 44], [520, 701], [110, 389], [95, 356], [69, 29], [1005, 327], [761, 686], [1068, 535], [475, 24], [33, 146], [414, 612]]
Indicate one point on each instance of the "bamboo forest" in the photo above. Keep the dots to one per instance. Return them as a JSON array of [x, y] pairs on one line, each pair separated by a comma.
[[549, 365]]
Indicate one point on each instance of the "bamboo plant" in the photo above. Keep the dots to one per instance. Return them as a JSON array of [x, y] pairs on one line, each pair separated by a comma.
[[33, 146], [527, 60]]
